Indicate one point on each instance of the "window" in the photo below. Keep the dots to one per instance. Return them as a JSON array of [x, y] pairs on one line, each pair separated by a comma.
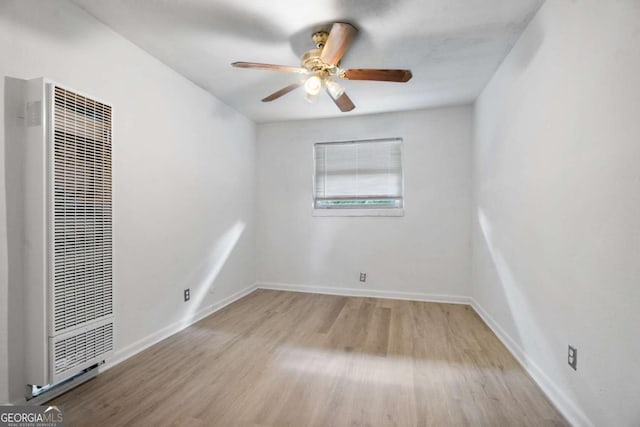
[[358, 175]]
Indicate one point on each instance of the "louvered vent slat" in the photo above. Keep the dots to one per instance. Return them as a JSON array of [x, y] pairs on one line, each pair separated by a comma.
[[82, 235], [82, 347]]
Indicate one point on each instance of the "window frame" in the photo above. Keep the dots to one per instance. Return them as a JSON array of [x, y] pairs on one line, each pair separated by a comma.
[[374, 210]]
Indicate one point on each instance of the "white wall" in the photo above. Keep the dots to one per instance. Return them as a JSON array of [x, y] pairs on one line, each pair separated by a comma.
[[426, 252], [184, 174], [555, 208], [556, 212]]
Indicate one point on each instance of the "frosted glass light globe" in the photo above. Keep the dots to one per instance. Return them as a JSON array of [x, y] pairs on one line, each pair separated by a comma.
[[335, 90], [313, 85]]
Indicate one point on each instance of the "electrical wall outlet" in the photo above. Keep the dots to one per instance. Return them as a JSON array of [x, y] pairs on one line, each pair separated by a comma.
[[572, 357], [363, 277], [187, 295]]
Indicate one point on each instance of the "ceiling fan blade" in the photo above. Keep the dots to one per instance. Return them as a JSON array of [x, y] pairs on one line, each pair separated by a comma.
[[273, 67], [337, 43], [285, 90], [400, 76], [343, 102]]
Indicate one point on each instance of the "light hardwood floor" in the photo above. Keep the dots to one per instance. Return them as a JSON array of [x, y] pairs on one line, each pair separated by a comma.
[[294, 359]]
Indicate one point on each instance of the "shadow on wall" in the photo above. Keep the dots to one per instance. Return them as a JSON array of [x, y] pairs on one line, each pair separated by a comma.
[[530, 336], [518, 308], [202, 280], [503, 271]]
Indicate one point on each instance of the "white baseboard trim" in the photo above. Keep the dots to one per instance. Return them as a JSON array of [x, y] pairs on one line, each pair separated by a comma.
[[173, 328], [369, 293], [131, 350], [566, 406], [558, 398], [574, 415]]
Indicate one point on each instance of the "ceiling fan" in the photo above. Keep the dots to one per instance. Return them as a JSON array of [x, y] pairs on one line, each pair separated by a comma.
[[321, 65]]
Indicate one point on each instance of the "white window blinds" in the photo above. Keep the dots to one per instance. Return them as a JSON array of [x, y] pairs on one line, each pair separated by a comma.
[[358, 174]]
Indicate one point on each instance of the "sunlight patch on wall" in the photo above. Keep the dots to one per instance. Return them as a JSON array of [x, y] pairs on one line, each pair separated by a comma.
[[215, 261], [530, 336]]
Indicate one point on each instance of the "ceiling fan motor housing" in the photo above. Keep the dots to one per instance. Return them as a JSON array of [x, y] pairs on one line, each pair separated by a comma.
[[322, 63], [320, 38], [311, 60]]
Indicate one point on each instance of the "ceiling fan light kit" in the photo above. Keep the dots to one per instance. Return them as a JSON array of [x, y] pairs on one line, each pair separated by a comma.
[[321, 64], [313, 85], [335, 89]]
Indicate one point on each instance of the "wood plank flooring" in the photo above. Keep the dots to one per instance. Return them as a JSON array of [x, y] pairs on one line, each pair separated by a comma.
[[293, 359]]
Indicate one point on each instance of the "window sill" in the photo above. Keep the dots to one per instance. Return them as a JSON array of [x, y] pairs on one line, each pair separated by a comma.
[[359, 212]]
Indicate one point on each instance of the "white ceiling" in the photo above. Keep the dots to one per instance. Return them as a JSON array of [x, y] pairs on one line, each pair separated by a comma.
[[452, 46]]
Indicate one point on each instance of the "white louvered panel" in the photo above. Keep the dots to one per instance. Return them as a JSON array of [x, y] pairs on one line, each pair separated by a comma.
[[81, 348], [82, 223]]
